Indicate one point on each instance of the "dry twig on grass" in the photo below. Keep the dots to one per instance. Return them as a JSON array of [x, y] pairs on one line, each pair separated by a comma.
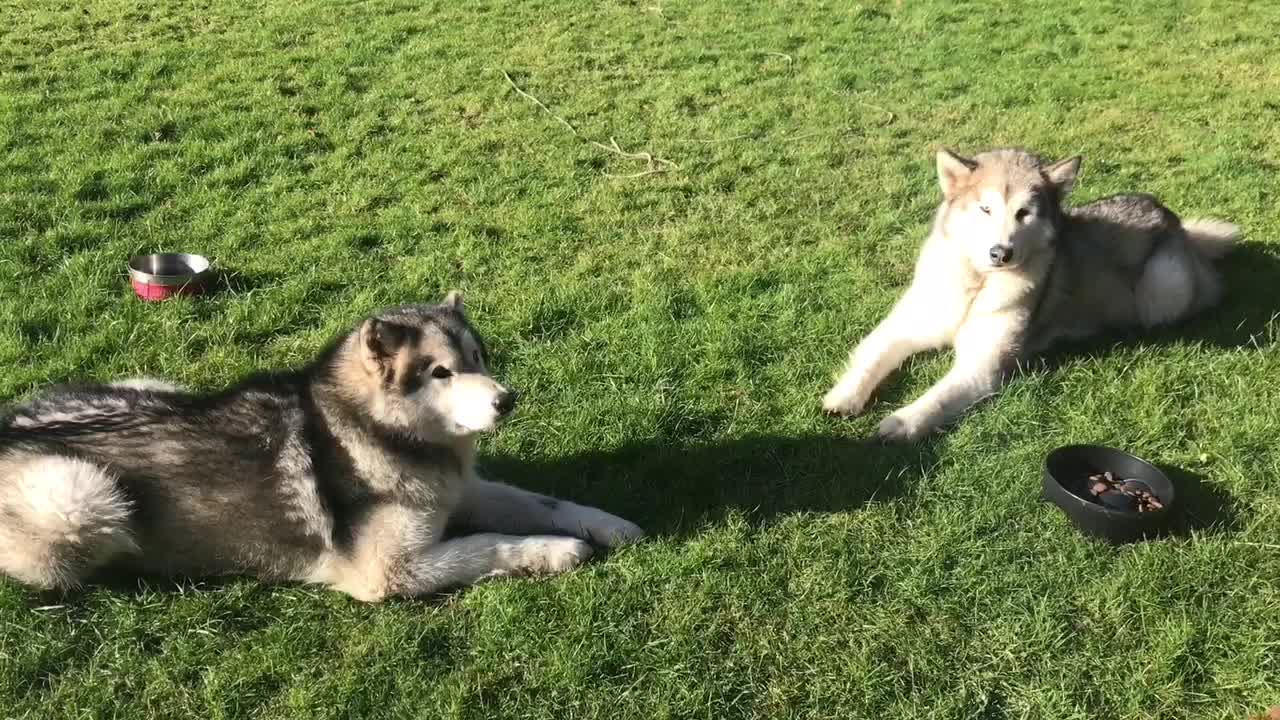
[[654, 164]]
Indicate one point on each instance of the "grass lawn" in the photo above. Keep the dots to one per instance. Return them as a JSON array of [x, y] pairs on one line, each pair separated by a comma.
[[672, 333]]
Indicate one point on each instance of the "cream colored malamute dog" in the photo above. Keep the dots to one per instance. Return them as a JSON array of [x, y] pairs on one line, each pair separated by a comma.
[[1008, 270], [345, 473]]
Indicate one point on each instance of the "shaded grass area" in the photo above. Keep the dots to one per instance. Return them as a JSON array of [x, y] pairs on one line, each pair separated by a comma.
[[671, 335]]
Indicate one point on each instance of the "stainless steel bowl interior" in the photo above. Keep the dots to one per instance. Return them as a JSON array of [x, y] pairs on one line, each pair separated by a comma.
[[168, 268]]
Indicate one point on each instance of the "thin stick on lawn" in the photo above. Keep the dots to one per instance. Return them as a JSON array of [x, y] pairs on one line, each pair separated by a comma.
[[655, 164]]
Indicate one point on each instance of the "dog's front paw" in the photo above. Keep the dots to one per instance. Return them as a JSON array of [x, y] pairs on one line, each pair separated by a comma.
[[601, 528], [623, 532], [900, 428], [551, 554], [843, 401]]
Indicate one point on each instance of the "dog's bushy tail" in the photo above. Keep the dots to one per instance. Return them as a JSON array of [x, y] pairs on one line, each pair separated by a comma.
[[1211, 238], [60, 519]]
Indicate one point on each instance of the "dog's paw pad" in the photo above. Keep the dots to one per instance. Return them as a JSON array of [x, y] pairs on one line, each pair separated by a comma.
[[618, 532], [599, 527], [842, 404], [895, 429], [551, 555]]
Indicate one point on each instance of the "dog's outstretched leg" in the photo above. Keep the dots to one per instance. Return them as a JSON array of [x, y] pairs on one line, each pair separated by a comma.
[[911, 327], [495, 507], [965, 384], [982, 350], [149, 384], [467, 560], [1167, 287], [396, 551]]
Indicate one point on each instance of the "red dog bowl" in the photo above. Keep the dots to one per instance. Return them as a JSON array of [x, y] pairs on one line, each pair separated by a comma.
[[163, 275]]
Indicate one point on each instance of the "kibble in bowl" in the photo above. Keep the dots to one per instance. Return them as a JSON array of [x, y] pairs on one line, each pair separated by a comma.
[[1127, 495]]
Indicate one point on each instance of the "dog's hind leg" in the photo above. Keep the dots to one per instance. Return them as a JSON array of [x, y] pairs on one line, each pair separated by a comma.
[[1179, 278], [911, 327], [1166, 290], [60, 520], [494, 507]]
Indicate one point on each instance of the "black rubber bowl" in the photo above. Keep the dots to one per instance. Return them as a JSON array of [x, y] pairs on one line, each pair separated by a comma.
[[1066, 477]]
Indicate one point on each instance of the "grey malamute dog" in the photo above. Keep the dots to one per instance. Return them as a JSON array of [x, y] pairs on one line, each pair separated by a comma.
[[1008, 270], [344, 473]]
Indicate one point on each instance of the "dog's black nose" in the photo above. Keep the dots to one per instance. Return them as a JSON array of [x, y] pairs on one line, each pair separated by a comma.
[[1000, 254], [506, 402]]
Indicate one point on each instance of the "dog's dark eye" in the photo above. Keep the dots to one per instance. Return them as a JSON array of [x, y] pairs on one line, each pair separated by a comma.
[[441, 372], [1022, 215], [985, 210]]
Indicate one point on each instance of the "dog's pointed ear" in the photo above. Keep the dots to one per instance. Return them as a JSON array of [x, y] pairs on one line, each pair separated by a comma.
[[379, 342], [953, 170], [454, 300], [1063, 174]]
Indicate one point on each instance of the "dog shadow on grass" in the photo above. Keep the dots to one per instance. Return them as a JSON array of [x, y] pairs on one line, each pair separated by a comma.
[[675, 488], [1249, 315]]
